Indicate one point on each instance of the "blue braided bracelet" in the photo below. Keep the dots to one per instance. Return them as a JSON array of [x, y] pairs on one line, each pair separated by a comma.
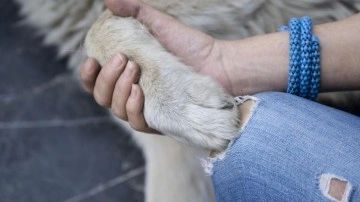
[[304, 59]]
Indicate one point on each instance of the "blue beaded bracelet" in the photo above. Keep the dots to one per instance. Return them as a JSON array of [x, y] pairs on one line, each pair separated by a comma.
[[304, 59]]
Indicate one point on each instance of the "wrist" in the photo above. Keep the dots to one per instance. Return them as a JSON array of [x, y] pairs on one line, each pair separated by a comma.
[[257, 64]]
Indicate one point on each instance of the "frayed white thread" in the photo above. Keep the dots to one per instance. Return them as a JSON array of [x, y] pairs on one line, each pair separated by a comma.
[[208, 163], [241, 99], [324, 185]]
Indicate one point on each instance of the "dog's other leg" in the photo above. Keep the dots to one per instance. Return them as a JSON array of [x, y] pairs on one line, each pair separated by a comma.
[[173, 171]]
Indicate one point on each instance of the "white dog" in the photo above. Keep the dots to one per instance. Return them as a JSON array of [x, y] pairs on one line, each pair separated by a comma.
[[180, 103]]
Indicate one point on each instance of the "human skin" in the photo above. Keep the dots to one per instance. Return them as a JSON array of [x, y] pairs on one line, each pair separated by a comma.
[[247, 66]]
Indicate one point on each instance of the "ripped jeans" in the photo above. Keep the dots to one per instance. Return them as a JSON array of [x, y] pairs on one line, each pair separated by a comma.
[[291, 149]]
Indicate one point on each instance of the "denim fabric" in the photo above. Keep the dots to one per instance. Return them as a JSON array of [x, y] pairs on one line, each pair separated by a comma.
[[282, 150]]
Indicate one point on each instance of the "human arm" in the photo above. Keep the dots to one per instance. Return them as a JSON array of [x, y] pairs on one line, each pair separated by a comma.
[[250, 65], [263, 60], [255, 64]]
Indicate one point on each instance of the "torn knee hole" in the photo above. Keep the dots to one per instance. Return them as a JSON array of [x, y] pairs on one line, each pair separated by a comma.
[[245, 105], [334, 188]]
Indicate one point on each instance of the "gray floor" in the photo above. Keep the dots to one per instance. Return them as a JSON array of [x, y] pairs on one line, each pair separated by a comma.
[[56, 144]]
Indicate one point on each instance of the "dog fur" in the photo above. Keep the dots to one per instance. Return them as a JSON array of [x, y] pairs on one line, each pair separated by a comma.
[[175, 93], [187, 106]]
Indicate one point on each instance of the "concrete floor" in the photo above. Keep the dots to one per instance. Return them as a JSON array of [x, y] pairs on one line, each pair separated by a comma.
[[56, 143]]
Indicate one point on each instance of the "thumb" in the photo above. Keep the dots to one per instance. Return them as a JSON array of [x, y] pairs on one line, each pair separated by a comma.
[[124, 8]]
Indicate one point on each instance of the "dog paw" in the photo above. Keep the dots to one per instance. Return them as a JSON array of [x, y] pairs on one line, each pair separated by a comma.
[[212, 114], [194, 109], [187, 106]]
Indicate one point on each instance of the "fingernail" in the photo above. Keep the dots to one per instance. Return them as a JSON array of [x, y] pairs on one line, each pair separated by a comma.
[[117, 60], [129, 69]]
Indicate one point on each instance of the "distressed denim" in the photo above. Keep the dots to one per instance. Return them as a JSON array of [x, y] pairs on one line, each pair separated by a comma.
[[287, 146]]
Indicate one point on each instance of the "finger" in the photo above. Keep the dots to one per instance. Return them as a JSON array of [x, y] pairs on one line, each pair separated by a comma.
[[123, 88], [105, 82], [134, 108], [88, 73]]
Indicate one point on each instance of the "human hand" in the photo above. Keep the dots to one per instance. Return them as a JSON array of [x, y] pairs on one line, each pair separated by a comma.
[[114, 89], [115, 86], [193, 47]]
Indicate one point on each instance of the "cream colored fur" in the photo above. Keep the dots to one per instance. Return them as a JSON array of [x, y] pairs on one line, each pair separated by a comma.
[[187, 106], [176, 94]]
